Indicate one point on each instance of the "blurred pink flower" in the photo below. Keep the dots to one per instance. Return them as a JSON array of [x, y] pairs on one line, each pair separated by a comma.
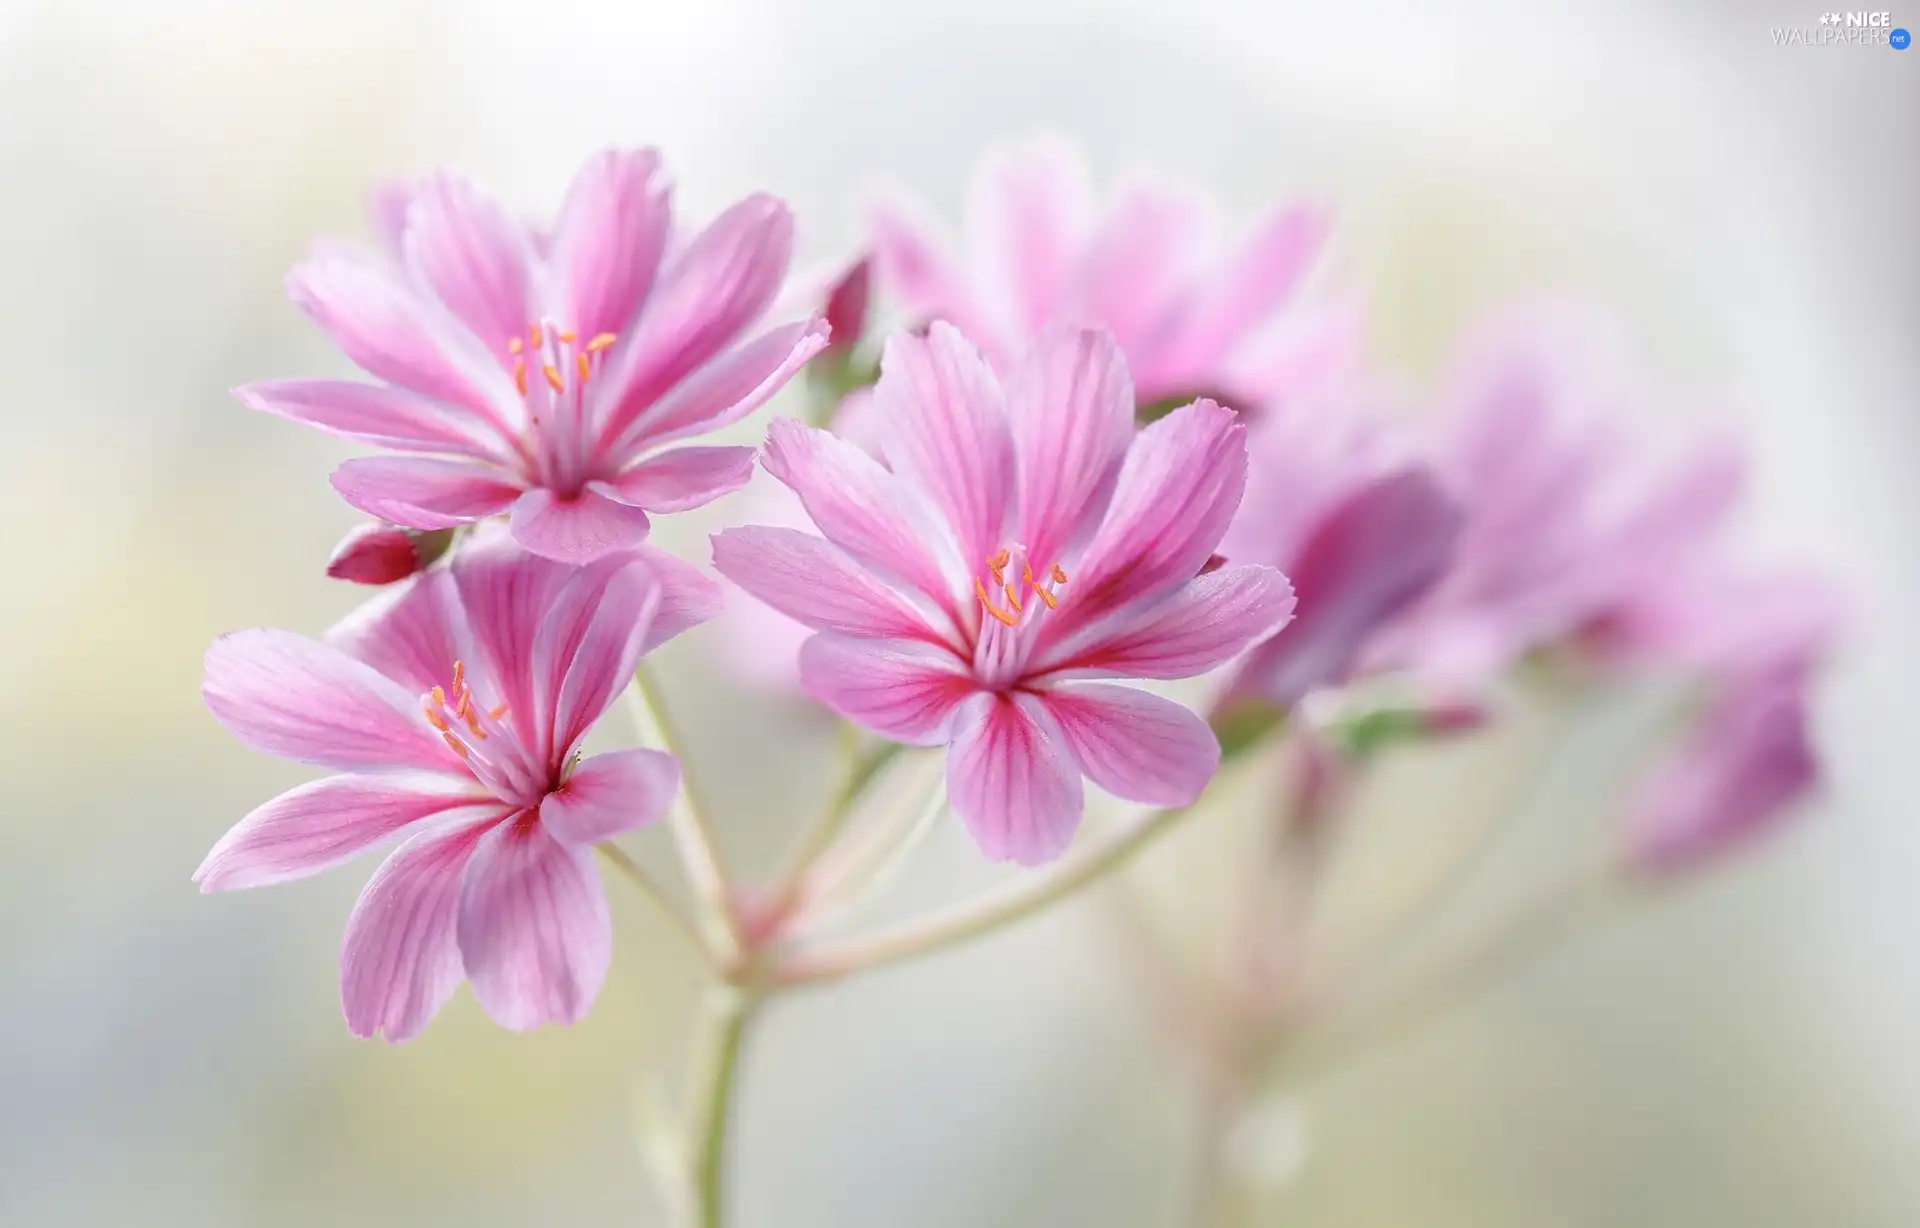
[[1738, 772], [1343, 504], [1571, 512], [542, 375], [1192, 315], [1022, 540], [455, 704]]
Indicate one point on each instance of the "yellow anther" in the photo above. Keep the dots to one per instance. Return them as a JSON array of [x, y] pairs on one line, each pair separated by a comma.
[[987, 604], [459, 748], [580, 364], [439, 697], [553, 378], [1059, 576], [568, 337], [520, 375], [515, 345], [497, 713], [1012, 600], [600, 342], [533, 333], [436, 720], [1053, 602]]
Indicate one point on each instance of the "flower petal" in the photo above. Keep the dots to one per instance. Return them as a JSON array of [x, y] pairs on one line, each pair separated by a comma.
[[1207, 623], [945, 429], [1250, 286], [1135, 745], [533, 926], [1072, 408], [1012, 778], [1368, 560], [810, 579], [424, 493], [859, 506], [726, 389], [399, 962], [321, 824], [901, 689], [681, 479], [609, 237], [914, 257], [580, 529], [715, 289], [463, 245], [372, 413], [688, 596], [390, 331], [1029, 209], [1142, 256], [609, 794], [286, 695], [1177, 490], [588, 647], [408, 632]]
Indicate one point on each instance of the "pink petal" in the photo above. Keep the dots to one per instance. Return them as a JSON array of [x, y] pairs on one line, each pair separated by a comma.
[[1012, 778], [578, 529], [1367, 561], [533, 926], [688, 596], [1138, 262], [391, 332], [810, 579], [725, 390], [588, 647], [1028, 212], [384, 416], [913, 257], [321, 824], [399, 962], [507, 594], [464, 245], [682, 479], [286, 695], [1204, 625], [610, 794], [423, 492], [608, 240], [1072, 409], [901, 689], [1252, 284], [407, 632], [713, 291], [1177, 490], [387, 208], [1135, 745], [945, 429], [859, 506]]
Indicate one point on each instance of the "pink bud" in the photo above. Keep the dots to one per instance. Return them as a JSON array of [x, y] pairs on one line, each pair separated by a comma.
[[383, 553], [846, 309], [1455, 716]]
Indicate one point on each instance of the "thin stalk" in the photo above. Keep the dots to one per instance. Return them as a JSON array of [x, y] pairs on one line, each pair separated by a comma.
[[692, 832], [974, 918], [653, 892], [708, 1127]]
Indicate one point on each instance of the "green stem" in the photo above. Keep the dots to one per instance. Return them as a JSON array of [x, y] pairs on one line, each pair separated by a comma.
[[982, 916], [692, 832], [712, 1106], [631, 870]]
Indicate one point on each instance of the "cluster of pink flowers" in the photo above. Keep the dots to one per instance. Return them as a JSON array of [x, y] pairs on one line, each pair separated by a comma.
[[1105, 447]]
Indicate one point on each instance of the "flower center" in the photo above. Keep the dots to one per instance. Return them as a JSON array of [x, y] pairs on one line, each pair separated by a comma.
[[552, 368], [482, 740], [1029, 586]]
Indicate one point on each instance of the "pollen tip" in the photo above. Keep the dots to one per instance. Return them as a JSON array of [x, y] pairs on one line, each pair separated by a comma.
[[600, 342], [580, 364], [515, 345], [536, 336], [569, 336], [553, 377], [1059, 574], [439, 697], [520, 375]]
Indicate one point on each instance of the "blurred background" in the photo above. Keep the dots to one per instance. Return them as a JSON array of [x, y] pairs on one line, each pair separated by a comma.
[[1740, 1053]]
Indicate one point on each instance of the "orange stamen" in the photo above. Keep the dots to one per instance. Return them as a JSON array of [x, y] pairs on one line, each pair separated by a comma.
[[1053, 603], [553, 378], [1000, 560], [1059, 576], [600, 342], [439, 697], [1011, 599], [436, 720], [497, 713], [515, 345], [473, 723], [533, 331], [520, 375], [459, 747], [568, 337], [580, 364], [1009, 619], [459, 676]]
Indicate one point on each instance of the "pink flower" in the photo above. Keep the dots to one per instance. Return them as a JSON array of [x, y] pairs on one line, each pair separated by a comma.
[[542, 375], [455, 705], [1738, 773], [1355, 517], [1571, 513], [1192, 315], [1022, 541]]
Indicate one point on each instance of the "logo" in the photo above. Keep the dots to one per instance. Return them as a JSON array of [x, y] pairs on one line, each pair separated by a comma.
[[1864, 29]]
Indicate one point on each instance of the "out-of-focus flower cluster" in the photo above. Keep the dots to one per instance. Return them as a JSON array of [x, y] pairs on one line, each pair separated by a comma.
[[1103, 447]]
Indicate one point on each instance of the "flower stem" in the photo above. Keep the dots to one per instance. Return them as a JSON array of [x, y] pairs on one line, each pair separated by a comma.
[[982, 916], [692, 832], [631, 870], [711, 1109]]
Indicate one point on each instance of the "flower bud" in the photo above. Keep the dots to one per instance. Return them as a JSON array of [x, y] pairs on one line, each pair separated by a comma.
[[383, 553], [846, 306]]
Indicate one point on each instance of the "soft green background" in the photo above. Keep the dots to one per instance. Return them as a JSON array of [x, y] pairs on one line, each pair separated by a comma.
[[1741, 1057]]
